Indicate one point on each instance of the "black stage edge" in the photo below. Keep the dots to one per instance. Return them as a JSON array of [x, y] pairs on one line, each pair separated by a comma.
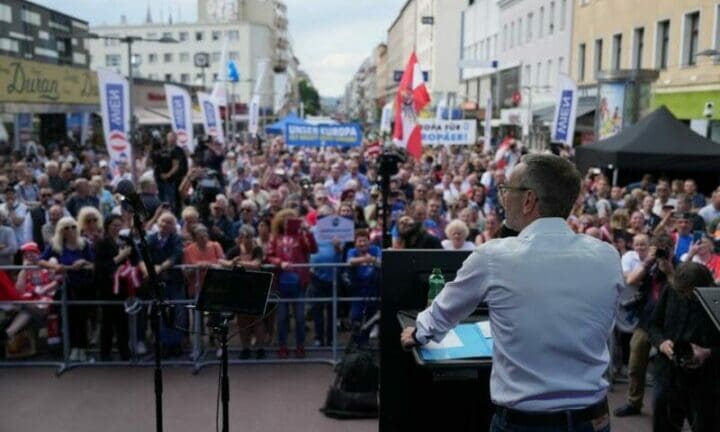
[[413, 397]]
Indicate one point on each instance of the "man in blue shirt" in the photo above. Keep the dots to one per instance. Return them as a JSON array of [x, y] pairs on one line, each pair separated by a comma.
[[683, 237], [365, 261], [547, 376]]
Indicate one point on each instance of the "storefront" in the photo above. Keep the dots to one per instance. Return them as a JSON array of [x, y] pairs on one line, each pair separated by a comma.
[[39, 99], [701, 109]]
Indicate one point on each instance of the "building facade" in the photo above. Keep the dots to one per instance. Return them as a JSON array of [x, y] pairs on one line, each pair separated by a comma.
[[480, 21], [34, 32], [666, 36], [253, 30]]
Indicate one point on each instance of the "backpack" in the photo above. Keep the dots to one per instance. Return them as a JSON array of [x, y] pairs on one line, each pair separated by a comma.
[[354, 394]]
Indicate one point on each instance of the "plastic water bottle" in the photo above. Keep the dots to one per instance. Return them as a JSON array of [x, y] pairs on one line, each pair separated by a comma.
[[436, 281]]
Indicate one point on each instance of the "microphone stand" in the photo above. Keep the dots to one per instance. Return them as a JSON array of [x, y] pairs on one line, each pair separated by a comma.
[[157, 305]]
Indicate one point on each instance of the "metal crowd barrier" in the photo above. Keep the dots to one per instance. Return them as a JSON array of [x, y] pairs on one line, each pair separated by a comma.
[[200, 355]]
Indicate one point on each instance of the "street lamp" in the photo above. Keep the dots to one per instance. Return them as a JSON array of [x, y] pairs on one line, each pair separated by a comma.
[[129, 41]]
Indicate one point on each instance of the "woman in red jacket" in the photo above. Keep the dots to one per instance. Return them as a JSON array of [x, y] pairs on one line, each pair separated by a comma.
[[291, 243]]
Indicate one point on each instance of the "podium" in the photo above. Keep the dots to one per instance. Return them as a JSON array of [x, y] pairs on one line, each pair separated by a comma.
[[417, 394]]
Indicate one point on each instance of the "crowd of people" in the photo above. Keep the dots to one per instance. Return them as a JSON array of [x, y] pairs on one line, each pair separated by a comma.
[[249, 204]]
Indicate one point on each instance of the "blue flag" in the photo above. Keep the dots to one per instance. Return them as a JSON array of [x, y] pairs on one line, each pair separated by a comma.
[[233, 73]]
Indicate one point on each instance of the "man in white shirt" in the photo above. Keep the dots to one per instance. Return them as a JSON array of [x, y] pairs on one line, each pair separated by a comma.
[[552, 298], [711, 211]]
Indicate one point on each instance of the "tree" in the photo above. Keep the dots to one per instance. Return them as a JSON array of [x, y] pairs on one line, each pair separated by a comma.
[[309, 97]]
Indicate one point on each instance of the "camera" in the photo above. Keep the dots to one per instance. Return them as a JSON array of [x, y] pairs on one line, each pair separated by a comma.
[[709, 110], [683, 353], [661, 253]]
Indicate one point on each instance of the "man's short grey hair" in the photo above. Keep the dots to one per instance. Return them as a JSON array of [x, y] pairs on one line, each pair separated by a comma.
[[555, 181]]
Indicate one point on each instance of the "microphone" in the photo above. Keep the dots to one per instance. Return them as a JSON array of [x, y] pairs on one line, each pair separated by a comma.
[[126, 188]]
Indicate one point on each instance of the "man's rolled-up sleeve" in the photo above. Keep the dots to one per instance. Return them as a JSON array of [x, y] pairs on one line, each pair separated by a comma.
[[457, 300]]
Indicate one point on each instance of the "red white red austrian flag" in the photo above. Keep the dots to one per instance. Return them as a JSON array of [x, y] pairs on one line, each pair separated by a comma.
[[412, 96]]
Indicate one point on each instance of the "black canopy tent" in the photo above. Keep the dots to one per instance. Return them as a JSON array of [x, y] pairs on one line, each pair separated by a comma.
[[659, 143]]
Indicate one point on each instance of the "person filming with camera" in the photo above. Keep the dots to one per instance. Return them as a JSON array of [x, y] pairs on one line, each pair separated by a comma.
[[687, 369], [650, 275]]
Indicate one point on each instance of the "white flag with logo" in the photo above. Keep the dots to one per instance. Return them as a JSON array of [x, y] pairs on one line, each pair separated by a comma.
[[115, 109], [211, 117], [180, 109], [386, 118], [254, 115], [563, 125]]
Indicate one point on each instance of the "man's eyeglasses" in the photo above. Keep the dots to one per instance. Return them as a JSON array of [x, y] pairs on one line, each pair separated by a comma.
[[503, 189]]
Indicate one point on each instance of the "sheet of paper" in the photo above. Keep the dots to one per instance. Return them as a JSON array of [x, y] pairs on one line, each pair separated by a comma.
[[451, 340], [484, 328]]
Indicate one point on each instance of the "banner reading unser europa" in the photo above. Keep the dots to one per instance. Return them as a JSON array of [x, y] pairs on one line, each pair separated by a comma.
[[180, 106], [115, 111], [211, 116]]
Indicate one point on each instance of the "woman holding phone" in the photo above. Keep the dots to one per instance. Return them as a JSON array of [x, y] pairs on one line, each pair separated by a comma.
[[291, 243]]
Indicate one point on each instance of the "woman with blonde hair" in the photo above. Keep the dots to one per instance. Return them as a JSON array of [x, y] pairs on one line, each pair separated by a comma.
[[291, 242], [90, 224], [73, 256], [457, 233]]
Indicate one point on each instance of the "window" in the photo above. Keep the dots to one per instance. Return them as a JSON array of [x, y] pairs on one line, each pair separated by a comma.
[[30, 17], [152, 35], [5, 13], [617, 52], [199, 36], [43, 34], [61, 46], [488, 55], [111, 42], [519, 32], [563, 12], [184, 57], [551, 18], [233, 55], [216, 56], [152, 58], [638, 47], [79, 58], [505, 37], [549, 73], [528, 37], [153, 76], [46, 52], [561, 65], [136, 60], [185, 78], [538, 72], [167, 35], [598, 57], [690, 38], [112, 60], [541, 23], [662, 44], [167, 57], [215, 76], [183, 36], [168, 78], [527, 76], [233, 35], [216, 35], [512, 34], [9, 45], [581, 62]]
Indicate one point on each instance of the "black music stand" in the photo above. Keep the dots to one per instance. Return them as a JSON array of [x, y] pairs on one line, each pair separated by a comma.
[[223, 294], [710, 300]]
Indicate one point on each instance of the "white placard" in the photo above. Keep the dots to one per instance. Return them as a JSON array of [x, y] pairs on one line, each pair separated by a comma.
[[448, 132], [330, 228]]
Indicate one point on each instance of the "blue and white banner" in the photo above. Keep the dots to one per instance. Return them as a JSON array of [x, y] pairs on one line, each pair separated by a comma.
[[78, 123], [386, 118], [487, 134], [23, 129], [563, 126], [115, 109], [448, 132], [179, 107], [342, 135], [211, 117]]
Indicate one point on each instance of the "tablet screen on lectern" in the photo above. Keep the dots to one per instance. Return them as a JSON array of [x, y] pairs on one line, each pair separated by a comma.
[[237, 291]]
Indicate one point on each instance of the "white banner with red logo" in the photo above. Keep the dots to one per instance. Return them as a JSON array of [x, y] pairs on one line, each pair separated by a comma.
[[180, 109], [211, 117], [115, 109]]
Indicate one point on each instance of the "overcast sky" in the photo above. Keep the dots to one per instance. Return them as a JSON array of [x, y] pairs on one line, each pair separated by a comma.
[[331, 38]]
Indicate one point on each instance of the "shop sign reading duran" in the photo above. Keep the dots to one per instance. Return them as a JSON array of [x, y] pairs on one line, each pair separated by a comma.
[[34, 82]]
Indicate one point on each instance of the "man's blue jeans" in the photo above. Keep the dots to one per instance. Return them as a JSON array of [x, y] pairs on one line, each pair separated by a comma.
[[290, 288], [500, 424], [322, 312]]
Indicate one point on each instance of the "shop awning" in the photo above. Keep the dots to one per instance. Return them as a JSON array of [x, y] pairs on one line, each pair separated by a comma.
[[160, 116]]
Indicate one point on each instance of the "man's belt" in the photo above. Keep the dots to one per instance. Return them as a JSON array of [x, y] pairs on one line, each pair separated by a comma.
[[558, 418]]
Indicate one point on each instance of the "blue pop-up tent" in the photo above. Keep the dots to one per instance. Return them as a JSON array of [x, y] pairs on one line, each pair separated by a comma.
[[278, 127]]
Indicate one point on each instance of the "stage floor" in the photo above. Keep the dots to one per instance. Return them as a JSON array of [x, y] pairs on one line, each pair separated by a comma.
[[263, 398]]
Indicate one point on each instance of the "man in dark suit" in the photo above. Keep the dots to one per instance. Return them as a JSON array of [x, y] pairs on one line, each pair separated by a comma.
[[166, 251]]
